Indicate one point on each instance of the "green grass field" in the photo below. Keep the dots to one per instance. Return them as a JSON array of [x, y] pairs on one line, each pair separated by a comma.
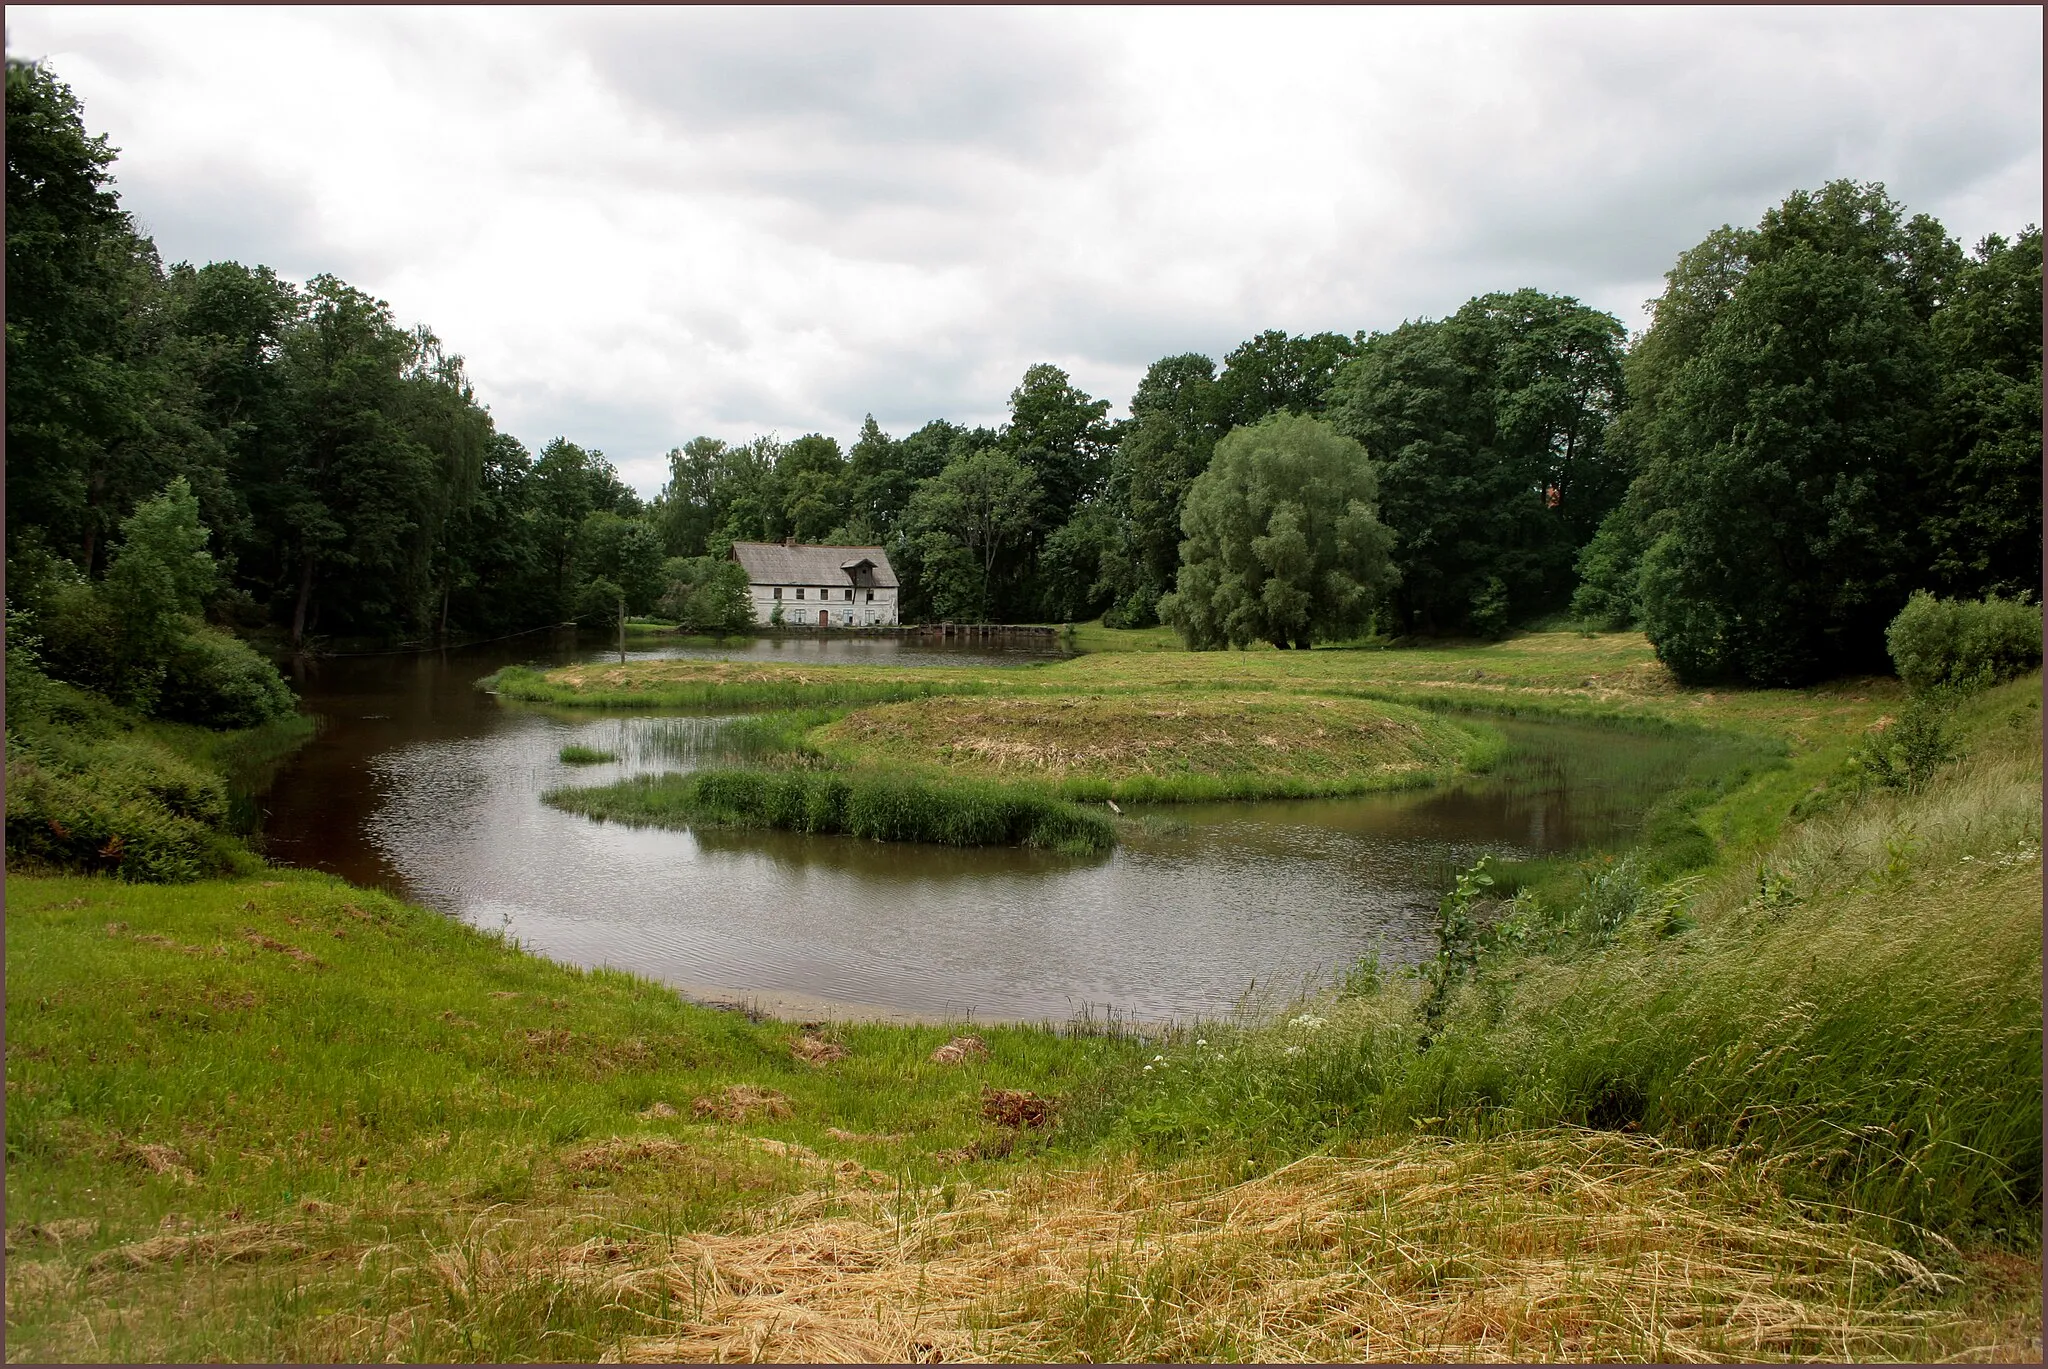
[[1781, 1101]]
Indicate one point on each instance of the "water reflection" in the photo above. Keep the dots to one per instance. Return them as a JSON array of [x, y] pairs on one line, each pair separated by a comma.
[[423, 785]]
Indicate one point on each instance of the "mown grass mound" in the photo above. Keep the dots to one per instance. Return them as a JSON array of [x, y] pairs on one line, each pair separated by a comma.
[[724, 684], [880, 807], [1165, 747]]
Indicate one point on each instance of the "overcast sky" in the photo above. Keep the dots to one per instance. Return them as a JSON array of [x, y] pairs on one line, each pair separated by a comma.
[[640, 225]]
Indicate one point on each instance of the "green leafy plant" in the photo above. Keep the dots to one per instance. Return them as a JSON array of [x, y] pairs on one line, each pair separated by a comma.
[[1906, 753], [1963, 644]]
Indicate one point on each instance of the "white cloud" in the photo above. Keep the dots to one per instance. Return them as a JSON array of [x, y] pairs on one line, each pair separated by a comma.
[[643, 224]]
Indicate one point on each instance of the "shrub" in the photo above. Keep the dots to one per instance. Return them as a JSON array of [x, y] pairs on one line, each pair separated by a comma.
[[1609, 597], [1489, 616], [89, 789], [708, 595], [1906, 754], [1139, 608], [216, 680], [80, 635], [1961, 642]]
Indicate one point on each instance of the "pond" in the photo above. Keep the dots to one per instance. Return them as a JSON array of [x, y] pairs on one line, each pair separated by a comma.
[[423, 785]]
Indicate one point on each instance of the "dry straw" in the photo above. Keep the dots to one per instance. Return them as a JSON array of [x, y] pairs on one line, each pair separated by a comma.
[[1561, 1245]]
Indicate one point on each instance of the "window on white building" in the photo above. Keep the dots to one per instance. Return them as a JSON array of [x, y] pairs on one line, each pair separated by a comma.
[[778, 591], [799, 591]]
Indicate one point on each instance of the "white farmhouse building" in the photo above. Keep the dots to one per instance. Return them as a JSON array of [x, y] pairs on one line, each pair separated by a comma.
[[819, 586]]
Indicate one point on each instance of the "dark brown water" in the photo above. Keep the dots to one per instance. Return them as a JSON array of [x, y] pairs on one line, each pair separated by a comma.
[[423, 785]]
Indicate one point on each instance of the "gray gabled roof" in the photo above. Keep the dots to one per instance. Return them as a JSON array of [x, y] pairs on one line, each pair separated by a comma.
[[772, 563]]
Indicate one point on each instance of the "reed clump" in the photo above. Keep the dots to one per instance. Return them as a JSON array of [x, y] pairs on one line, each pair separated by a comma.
[[877, 806], [578, 754]]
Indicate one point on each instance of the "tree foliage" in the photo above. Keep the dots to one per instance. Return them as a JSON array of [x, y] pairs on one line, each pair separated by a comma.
[[1490, 427], [1283, 541], [1833, 409], [963, 520]]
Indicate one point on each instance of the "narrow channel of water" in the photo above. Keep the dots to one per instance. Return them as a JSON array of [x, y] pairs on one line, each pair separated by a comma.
[[421, 784]]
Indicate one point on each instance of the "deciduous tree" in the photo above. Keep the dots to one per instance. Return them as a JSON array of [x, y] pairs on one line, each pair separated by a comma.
[[1283, 541]]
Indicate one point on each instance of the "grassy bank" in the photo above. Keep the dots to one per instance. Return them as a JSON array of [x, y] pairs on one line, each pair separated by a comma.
[[1858, 1009], [284, 1118], [1163, 747], [878, 807]]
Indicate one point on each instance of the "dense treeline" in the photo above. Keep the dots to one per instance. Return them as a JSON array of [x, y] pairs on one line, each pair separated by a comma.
[[1827, 412]]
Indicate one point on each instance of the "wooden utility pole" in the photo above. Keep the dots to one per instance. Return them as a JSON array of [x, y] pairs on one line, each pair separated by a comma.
[[622, 629]]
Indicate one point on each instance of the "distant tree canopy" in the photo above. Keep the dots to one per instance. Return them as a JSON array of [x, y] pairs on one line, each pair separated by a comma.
[[1826, 413], [1490, 428]]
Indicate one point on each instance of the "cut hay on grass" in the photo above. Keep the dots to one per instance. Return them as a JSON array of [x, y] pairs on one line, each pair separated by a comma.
[[816, 1050], [738, 1102], [1557, 1246], [960, 1048], [242, 1243]]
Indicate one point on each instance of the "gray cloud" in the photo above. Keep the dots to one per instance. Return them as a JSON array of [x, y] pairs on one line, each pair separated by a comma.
[[644, 224], [226, 213], [849, 78]]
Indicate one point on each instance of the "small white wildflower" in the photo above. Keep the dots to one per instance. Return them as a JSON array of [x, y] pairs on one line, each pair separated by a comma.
[[1157, 1058], [1294, 1050], [1200, 1042], [1308, 1021], [1148, 1069]]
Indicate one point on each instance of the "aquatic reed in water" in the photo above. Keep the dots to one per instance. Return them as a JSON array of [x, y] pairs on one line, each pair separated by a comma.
[[881, 807]]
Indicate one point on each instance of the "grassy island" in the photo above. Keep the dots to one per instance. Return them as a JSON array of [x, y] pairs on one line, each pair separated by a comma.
[[1165, 746]]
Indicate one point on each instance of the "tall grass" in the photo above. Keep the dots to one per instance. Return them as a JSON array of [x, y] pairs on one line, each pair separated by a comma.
[[1859, 1012], [880, 807]]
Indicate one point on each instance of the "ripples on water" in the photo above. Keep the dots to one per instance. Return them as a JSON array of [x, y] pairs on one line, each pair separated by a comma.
[[440, 800]]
